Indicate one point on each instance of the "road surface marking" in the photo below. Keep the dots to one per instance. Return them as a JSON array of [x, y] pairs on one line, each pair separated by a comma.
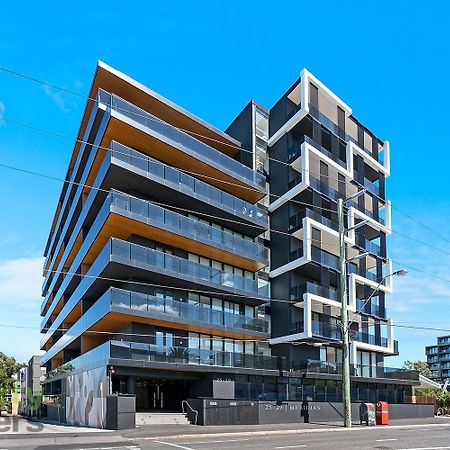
[[292, 432], [385, 440], [174, 445], [426, 448], [123, 447], [293, 446], [215, 442]]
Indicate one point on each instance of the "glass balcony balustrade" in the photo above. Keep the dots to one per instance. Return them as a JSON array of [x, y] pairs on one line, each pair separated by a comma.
[[146, 305], [295, 151], [372, 309], [169, 220], [190, 185], [112, 351], [191, 356], [335, 129], [150, 304], [318, 329], [126, 252], [296, 292], [182, 225], [189, 144], [371, 339], [168, 176], [296, 221], [155, 261], [356, 370]]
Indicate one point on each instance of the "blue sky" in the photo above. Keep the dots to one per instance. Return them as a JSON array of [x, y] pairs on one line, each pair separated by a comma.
[[388, 60]]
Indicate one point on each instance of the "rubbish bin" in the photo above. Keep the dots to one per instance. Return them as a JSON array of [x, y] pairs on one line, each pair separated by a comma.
[[382, 413], [367, 413]]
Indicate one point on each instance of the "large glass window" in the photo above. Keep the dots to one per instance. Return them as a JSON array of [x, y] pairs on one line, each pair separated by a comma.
[[262, 159], [262, 126]]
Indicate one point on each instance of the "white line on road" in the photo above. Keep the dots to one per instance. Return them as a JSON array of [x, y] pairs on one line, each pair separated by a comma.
[[293, 446], [291, 432], [215, 442], [174, 445], [425, 448], [385, 440], [122, 447]]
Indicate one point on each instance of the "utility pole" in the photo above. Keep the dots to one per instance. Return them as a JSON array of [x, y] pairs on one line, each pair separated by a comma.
[[346, 399]]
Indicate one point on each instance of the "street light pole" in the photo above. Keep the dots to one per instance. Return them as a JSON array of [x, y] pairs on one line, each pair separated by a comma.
[[344, 318]]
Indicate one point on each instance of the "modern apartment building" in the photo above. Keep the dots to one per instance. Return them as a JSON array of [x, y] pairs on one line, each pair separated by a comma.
[[438, 359], [29, 380], [187, 262]]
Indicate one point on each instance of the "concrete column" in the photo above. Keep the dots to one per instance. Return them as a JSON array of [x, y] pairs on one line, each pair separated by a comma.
[[131, 385]]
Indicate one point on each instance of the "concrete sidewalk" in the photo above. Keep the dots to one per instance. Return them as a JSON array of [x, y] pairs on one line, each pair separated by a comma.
[[186, 431]]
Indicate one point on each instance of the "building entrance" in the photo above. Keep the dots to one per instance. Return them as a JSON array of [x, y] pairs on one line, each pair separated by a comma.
[[160, 394]]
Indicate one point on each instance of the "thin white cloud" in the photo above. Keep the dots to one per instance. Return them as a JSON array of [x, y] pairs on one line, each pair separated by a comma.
[[60, 99], [20, 282], [2, 112]]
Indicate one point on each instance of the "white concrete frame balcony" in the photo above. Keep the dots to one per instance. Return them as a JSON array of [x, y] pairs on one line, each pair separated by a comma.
[[303, 164], [307, 334], [300, 96], [330, 243]]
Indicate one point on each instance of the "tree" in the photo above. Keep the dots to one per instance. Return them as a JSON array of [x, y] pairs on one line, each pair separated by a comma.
[[8, 367], [420, 366]]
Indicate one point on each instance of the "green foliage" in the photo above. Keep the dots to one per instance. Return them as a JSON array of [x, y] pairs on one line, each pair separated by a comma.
[[8, 367], [425, 392], [60, 370], [420, 366]]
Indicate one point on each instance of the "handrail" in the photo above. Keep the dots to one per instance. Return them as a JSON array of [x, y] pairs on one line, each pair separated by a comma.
[[186, 403]]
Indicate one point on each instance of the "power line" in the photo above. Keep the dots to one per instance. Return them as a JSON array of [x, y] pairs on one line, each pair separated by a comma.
[[30, 172], [109, 191], [172, 288], [36, 80], [123, 333], [289, 234], [197, 212], [153, 118], [146, 158], [391, 325]]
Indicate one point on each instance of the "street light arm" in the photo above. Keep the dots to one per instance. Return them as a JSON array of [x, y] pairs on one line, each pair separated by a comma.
[[369, 298], [397, 272]]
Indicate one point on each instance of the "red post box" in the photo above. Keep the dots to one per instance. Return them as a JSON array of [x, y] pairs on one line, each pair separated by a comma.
[[382, 413]]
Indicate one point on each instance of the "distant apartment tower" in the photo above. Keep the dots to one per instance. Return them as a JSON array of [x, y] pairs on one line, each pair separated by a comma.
[[163, 278], [438, 359]]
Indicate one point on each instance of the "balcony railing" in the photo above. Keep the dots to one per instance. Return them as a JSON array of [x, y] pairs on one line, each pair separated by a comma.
[[318, 329], [366, 211], [371, 339], [296, 221], [193, 146], [148, 304], [189, 184], [335, 129], [137, 254], [142, 353], [372, 309], [295, 151], [145, 305], [191, 356], [370, 246], [325, 189], [357, 370], [185, 226], [294, 182], [324, 259], [296, 293]]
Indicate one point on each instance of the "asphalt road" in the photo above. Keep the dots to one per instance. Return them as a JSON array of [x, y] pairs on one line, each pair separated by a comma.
[[433, 436], [423, 438]]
